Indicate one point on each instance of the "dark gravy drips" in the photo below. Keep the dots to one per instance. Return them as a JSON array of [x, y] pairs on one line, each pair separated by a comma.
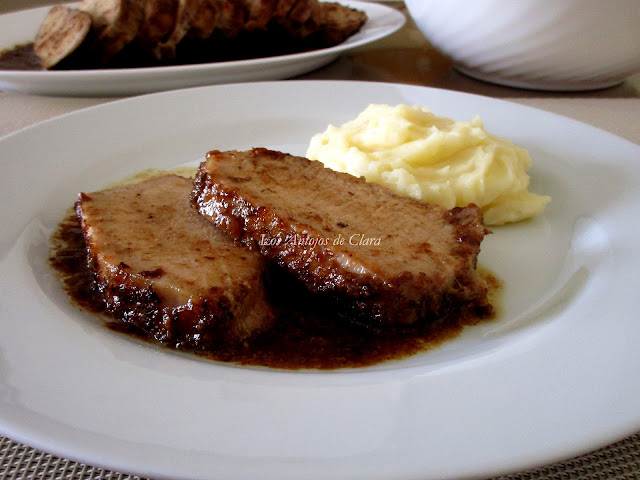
[[306, 334], [21, 57]]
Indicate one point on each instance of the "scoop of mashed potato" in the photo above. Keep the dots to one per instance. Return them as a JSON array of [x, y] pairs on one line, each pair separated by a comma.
[[434, 159]]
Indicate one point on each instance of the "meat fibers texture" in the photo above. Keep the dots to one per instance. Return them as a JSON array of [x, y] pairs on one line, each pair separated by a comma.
[[164, 269], [379, 258]]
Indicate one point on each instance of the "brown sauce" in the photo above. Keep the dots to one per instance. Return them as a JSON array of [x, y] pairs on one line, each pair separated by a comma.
[[306, 335], [21, 57], [248, 45]]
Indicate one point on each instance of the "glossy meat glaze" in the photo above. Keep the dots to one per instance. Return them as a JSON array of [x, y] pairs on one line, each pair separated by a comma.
[[379, 258]]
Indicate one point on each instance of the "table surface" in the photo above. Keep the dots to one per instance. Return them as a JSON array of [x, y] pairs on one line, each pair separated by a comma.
[[405, 57]]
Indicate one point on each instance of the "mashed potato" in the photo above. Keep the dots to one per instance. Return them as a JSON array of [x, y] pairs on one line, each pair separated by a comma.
[[434, 159]]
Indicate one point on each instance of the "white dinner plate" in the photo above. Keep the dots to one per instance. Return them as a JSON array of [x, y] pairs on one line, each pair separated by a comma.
[[21, 27], [554, 376]]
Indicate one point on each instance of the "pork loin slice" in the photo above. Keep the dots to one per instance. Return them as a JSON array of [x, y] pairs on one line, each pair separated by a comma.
[[205, 20], [164, 269], [259, 13], [382, 258], [159, 22], [324, 24], [231, 19], [115, 23], [333, 23], [186, 13], [63, 31]]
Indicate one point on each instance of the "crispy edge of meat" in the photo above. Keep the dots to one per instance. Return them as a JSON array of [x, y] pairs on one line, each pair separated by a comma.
[[370, 300], [159, 22], [327, 23], [205, 20], [196, 325], [259, 13], [115, 22], [187, 10]]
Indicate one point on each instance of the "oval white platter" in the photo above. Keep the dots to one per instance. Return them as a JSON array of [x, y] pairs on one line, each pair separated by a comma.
[[20, 27], [554, 376]]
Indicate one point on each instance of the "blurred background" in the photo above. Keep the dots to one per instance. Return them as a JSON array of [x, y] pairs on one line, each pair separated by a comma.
[[11, 5], [490, 47], [408, 57]]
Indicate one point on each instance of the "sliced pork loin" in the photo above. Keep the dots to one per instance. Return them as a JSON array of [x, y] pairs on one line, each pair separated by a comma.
[[381, 258], [322, 24], [258, 13], [230, 19], [159, 22], [162, 268], [115, 24], [185, 15], [205, 20], [333, 23]]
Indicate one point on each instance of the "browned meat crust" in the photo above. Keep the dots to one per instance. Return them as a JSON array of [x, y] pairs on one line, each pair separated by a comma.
[[325, 23], [205, 20], [61, 34], [230, 20], [127, 33], [382, 258], [185, 15], [259, 13], [165, 270]]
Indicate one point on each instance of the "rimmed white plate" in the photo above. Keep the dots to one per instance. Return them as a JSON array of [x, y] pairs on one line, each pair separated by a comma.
[[553, 377], [21, 27]]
